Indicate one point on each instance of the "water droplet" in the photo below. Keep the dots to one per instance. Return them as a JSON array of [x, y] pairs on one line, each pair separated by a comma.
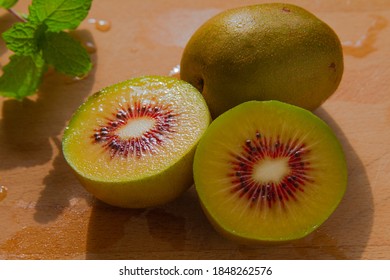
[[76, 79], [100, 24], [103, 25], [175, 72], [71, 80], [3, 192], [89, 46]]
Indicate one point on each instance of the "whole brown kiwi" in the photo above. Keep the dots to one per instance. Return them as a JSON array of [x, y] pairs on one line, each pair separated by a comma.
[[270, 51]]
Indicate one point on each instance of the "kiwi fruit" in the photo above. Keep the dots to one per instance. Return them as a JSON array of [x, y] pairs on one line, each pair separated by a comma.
[[132, 144], [272, 51], [268, 171]]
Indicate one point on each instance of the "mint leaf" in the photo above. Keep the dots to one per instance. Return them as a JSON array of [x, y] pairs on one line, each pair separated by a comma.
[[66, 54], [59, 14], [7, 3], [40, 41], [21, 76], [22, 38]]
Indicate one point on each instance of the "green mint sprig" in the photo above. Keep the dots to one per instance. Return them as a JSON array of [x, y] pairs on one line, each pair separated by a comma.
[[41, 41], [7, 4]]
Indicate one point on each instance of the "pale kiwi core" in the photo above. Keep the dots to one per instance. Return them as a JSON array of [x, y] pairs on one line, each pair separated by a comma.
[[271, 170], [136, 128]]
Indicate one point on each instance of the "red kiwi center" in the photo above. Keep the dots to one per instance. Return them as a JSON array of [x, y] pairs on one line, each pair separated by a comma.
[[136, 129], [267, 171]]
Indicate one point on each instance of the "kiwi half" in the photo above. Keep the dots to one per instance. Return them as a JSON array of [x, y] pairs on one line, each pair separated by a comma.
[[132, 144], [268, 171]]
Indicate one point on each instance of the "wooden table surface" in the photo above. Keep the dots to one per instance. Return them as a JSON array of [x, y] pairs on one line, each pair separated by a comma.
[[48, 215]]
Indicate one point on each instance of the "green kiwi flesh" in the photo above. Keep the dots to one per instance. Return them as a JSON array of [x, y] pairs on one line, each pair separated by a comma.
[[267, 171], [132, 144]]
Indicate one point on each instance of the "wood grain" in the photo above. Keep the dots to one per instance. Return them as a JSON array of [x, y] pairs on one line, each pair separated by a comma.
[[48, 215]]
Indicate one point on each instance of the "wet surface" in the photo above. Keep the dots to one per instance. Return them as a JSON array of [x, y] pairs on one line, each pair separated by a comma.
[[366, 43], [48, 215]]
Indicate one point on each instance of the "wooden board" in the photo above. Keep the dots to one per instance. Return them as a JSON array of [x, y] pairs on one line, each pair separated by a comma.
[[48, 215]]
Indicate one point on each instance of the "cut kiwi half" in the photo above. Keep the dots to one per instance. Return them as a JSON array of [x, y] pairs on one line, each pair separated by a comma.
[[267, 171], [132, 144]]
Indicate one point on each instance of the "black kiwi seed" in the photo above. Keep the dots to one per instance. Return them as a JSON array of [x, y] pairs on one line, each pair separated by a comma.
[[97, 137]]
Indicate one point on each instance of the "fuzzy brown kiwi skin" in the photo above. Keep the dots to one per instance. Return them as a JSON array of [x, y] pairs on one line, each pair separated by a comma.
[[270, 51]]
